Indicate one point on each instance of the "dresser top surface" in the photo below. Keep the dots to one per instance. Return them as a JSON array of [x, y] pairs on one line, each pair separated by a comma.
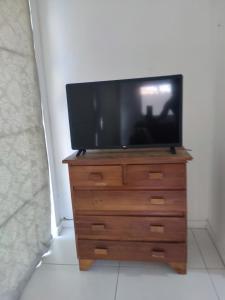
[[129, 156]]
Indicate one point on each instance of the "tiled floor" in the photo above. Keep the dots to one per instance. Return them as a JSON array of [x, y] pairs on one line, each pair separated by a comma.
[[59, 277]]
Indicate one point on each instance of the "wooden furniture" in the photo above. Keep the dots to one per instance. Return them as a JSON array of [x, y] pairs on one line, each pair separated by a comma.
[[130, 205]]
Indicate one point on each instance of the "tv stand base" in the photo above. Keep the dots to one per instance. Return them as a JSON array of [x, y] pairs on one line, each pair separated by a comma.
[[142, 188], [81, 151], [173, 150]]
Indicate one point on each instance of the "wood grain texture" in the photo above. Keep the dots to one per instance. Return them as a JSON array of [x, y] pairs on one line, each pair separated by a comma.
[[163, 176], [137, 156], [179, 267], [131, 228], [85, 264], [123, 250], [130, 205], [96, 176], [162, 203]]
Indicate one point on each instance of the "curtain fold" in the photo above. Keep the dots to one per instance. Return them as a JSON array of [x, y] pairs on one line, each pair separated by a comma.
[[24, 180]]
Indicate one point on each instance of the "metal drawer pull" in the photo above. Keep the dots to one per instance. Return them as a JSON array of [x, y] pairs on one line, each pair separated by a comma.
[[155, 175], [157, 201], [97, 226], [95, 176], [157, 228], [158, 254], [100, 251]]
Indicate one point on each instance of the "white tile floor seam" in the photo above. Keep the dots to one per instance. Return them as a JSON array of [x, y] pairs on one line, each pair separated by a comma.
[[205, 261], [218, 278], [212, 241], [207, 249], [199, 249], [117, 281], [214, 287], [59, 276]]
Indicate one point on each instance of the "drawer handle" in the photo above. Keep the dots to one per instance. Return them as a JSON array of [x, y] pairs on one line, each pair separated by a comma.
[[157, 228], [157, 201], [96, 176], [97, 226], [100, 251], [155, 175], [158, 253]]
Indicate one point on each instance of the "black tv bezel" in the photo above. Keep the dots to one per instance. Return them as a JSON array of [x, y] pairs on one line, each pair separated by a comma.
[[179, 144]]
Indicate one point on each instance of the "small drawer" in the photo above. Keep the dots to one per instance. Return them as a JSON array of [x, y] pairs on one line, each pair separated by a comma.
[[155, 203], [157, 176], [123, 250], [95, 176], [131, 228]]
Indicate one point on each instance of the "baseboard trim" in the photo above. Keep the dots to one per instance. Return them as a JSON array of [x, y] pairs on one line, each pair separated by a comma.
[[60, 227], [64, 224], [197, 224], [211, 231], [67, 224], [220, 248]]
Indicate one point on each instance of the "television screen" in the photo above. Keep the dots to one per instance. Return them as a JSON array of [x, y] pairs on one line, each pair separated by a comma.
[[142, 112]]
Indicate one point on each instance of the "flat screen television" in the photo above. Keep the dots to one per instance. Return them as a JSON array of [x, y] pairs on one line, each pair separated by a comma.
[[140, 112]]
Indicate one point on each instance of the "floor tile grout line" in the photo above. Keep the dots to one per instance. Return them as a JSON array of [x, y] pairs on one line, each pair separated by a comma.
[[213, 284], [172, 272], [217, 251], [203, 258], [117, 280], [214, 244], [199, 248], [61, 264], [126, 266], [207, 270]]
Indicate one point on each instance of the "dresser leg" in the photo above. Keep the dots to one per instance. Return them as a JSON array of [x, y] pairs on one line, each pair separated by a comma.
[[85, 264], [179, 267]]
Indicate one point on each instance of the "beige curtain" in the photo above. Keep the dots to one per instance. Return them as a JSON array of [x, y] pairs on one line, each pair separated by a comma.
[[24, 183]]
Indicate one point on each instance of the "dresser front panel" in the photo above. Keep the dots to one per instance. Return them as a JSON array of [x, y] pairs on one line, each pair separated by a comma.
[[131, 228], [122, 250], [157, 176], [130, 205], [165, 203], [96, 176]]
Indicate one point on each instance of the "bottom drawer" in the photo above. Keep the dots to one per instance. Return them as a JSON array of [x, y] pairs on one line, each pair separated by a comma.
[[170, 252]]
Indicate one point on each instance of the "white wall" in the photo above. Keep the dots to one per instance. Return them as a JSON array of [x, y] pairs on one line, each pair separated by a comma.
[[85, 40], [217, 205]]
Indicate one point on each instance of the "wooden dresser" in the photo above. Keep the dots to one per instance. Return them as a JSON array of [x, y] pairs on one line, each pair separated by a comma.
[[130, 205]]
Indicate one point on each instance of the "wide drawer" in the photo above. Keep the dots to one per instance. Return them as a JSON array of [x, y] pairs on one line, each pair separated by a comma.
[[132, 251], [95, 176], [157, 176], [131, 228], [167, 203]]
